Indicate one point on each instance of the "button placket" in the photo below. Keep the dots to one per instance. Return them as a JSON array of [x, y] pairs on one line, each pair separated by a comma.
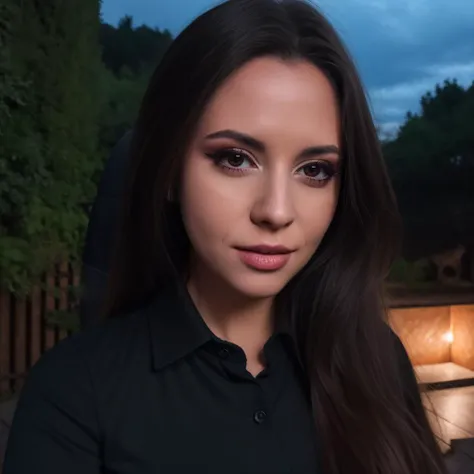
[[224, 353]]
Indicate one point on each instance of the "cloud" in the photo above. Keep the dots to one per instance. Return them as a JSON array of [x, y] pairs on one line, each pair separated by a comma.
[[388, 129], [401, 47], [394, 101], [434, 74], [464, 71]]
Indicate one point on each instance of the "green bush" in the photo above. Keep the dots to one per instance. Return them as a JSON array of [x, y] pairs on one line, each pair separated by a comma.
[[49, 120], [408, 273]]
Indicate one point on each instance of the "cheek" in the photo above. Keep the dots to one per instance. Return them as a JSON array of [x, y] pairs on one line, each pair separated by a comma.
[[316, 218], [208, 209]]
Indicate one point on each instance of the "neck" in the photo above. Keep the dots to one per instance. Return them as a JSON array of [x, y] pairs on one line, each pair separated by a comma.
[[231, 316]]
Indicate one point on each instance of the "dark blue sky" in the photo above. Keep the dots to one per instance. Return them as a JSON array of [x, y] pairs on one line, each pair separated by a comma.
[[402, 47]]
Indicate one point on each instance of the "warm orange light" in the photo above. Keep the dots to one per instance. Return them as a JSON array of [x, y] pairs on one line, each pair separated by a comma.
[[448, 336]]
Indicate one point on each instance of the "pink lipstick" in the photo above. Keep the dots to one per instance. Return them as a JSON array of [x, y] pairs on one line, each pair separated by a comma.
[[265, 257]]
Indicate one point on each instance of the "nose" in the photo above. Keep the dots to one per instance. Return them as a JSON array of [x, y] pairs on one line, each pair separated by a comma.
[[274, 208]]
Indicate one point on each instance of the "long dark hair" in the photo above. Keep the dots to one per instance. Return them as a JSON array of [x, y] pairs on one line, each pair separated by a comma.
[[363, 418]]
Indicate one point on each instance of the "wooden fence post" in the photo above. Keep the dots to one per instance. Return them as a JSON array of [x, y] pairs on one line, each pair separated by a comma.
[[24, 330], [36, 327], [50, 332], [63, 293], [5, 369], [19, 342]]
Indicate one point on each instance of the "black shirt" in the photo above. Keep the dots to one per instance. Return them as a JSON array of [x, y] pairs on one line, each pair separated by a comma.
[[156, 392]]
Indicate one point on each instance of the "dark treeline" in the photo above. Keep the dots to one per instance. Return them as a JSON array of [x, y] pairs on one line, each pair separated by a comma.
[[71, 86], [134, 49], [129, 56], [431, 162]]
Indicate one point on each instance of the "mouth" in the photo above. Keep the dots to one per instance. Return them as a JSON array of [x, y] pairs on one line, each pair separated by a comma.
[[267, 249], [265, 258]]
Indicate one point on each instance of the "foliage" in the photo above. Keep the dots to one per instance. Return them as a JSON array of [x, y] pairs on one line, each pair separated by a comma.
[[135, 49], [49, 126], [438, 143], [431, 162], [129, 57], [118, 112], [61, 111], [64, 319], [409, 273]]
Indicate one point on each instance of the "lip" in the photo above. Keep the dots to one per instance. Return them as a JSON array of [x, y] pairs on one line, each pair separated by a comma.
[[264, 258], [267, 249]]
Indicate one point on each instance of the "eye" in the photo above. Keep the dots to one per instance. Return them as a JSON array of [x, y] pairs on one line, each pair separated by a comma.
[[233, 159], [317, 171]]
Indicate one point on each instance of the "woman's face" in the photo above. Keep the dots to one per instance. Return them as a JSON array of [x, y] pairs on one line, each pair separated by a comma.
[[259, 184]]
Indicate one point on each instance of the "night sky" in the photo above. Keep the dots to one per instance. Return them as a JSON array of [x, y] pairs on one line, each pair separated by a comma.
[[402, 47]]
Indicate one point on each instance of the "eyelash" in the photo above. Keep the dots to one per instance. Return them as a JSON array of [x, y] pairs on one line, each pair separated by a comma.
[[220, 156]]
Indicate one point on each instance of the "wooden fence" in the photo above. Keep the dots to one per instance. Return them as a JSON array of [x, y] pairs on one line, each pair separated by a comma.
[[24, 329]]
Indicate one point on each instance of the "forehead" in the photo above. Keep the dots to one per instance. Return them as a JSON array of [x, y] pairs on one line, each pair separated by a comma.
[[270, 96]]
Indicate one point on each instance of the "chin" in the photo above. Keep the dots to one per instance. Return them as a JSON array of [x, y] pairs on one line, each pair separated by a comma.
[[260, 286]]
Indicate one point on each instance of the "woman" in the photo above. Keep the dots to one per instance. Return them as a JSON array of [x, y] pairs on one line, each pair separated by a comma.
[[246, 330]]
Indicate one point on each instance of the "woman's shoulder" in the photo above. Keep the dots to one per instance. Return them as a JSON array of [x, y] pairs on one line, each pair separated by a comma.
[[60, 412], [92, 353]]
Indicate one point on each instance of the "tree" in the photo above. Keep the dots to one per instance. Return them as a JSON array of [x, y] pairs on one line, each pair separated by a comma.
[[129, 56], [438, 143], [431, 162], [123, 94], [132, 48], [49, 145]]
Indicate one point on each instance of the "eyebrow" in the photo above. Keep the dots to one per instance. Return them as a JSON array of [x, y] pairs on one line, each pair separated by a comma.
[[259, 146]]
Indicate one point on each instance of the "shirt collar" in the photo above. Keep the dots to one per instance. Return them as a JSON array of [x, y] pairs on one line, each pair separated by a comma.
[[176, 327]]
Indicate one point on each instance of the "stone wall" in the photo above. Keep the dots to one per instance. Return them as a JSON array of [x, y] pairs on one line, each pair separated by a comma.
[[436, 334]]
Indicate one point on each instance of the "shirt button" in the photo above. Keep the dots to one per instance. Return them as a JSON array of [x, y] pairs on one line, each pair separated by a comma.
[[224, 353], [259, 416]]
